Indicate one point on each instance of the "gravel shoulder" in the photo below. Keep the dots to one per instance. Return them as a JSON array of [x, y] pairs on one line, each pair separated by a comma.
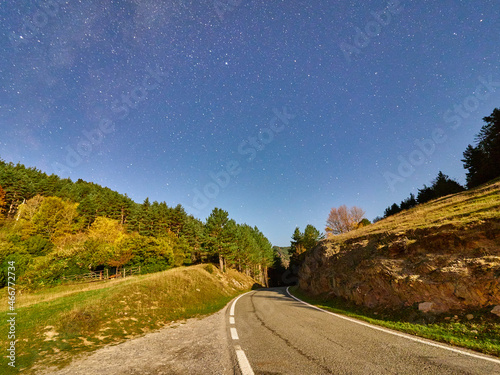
[[191, 347]]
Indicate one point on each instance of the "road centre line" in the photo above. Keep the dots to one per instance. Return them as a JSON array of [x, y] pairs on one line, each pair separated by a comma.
[[406, 336]]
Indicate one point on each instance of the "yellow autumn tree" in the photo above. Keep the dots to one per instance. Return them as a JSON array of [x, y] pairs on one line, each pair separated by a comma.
[[54, 217], [106, 230]]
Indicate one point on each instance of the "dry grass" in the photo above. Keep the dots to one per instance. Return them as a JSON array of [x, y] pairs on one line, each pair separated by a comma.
[[460, 210], [57, 323], [24, 299]]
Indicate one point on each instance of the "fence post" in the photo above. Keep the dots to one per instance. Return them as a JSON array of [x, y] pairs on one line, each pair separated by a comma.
[[107, 274], [123, 271], [139, 270]]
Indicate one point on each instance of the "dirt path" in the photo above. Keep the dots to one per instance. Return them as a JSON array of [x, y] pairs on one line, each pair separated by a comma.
[[195, 346]]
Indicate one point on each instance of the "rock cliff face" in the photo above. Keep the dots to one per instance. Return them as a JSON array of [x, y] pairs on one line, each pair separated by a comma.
[[452, 268]]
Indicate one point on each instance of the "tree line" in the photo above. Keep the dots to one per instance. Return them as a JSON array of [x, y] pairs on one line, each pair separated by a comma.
[[53, 227], [481, 161], [442, 185]]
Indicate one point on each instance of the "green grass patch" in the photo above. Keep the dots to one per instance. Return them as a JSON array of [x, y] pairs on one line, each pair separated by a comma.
[[56, 324], [482, 333]]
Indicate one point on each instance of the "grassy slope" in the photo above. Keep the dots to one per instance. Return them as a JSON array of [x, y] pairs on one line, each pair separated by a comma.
[[462, 210], [55, 324]]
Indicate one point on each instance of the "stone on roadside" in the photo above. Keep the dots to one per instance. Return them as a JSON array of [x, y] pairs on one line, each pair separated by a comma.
[[469, 316], [425, 306]]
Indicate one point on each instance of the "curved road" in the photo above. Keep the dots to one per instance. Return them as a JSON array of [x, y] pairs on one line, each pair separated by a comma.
[[272, 333]]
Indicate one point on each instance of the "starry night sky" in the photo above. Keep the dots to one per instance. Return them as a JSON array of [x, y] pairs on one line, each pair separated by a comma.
[[159, 98]]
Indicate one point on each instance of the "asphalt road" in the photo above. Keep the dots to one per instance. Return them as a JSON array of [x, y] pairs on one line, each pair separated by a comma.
[[272, 333]]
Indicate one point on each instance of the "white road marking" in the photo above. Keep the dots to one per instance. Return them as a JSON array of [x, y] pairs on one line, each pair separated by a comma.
[[231, 311], [245, 367], [234, 334], [406, 336]]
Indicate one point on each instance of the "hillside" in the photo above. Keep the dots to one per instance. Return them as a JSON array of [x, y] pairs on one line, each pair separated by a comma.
[[54, 229], [60, 322], [445, 252]]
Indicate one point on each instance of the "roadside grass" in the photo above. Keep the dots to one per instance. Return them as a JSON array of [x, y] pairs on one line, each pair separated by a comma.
[[56, 324], [482, 333], [24, 298]]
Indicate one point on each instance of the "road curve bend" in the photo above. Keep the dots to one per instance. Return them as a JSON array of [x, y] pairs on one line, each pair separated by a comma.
[[274, 333]]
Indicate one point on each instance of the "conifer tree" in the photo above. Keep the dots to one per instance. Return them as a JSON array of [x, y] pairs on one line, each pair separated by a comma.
[[483, 160]]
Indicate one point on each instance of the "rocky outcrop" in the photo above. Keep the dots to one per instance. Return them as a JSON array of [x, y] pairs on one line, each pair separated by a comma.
[[447, 268]]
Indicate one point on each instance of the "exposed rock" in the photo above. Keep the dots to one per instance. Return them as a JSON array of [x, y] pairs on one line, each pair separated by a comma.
[[496, 310], [469, 316], [441, 265], [425, 306]]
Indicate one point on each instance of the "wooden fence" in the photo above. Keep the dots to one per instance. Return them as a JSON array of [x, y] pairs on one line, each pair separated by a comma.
[[102, 275]]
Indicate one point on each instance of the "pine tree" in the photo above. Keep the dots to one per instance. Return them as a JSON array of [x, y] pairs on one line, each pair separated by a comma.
[[392, 210], [296, 241], [311, 237], [408, 202], [145, 227], [193, 232], [214, 234], [483, 160]]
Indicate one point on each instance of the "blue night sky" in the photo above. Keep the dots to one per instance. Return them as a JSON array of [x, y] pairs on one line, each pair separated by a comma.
[[275, 111]]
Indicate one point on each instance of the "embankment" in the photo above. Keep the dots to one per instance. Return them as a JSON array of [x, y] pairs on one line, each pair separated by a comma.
[[445, 253], [56, 324]]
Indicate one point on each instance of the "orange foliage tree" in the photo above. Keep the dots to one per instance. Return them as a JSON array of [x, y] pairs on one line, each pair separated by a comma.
[[2, 199]]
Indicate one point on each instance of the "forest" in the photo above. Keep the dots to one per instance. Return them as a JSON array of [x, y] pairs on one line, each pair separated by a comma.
[[54, 228]]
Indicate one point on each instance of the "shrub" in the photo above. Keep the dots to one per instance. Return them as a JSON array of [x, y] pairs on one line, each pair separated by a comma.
[[37, 245], [209, 268]]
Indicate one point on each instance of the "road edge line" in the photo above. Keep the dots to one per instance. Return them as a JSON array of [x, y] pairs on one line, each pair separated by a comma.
[[231, 310], [243, 363], [395, 333]]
